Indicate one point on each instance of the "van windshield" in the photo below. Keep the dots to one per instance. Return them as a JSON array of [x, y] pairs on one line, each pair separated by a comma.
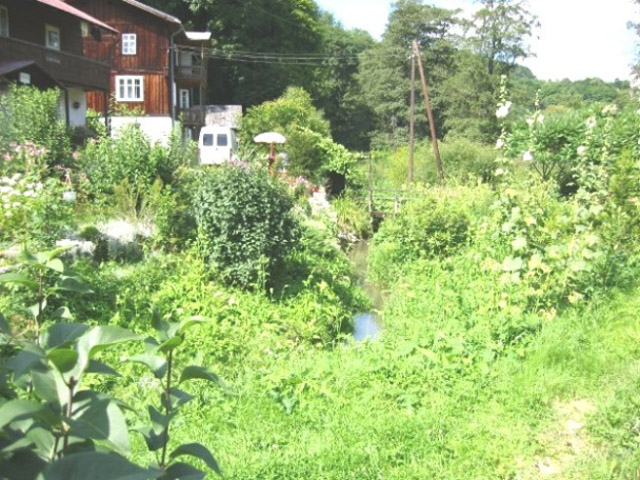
[[223, 141], [207, 140]]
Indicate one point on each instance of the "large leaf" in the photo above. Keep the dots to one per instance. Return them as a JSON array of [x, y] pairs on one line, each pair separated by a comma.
[[62, 334], [96, 466], [64, 359], [73, 284], [50, 387], [98, 339], [19, 279], [155, 441], [55, 264], [156, 363], [177, 398], [64, 313], [170, 344], [101, 368], [199, 451], [194, 372], [22, 466], [98, 417], [43, 440], [18, 410], [182, 471], [32, 357]]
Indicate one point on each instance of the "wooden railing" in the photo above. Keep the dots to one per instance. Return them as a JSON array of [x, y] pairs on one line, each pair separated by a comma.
[[193, 74], [192, 116], [64, 67]]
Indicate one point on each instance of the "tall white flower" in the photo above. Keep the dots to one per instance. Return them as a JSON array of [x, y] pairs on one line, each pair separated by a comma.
[[503, 109], [591, 123], [500, 143], [527, 156]]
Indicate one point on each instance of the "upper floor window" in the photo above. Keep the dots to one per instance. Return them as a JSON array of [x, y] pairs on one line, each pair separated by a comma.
[[129, 88], [52, 37], [4, 22], [129, 46]]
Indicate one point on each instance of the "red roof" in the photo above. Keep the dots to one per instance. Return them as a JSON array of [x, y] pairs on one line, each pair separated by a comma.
[[60, 5]]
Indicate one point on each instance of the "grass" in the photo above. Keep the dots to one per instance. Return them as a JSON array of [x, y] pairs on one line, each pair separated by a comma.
[[390, 409]]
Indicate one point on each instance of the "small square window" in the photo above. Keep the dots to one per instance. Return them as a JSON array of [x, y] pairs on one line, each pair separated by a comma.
[[52, 37], [4, 22], [129, 44], [223, 140], [207, 140]]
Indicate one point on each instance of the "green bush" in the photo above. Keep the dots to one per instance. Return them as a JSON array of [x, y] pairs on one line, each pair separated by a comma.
[[107, 162], [436, 224], [31, 115], [244, 222]]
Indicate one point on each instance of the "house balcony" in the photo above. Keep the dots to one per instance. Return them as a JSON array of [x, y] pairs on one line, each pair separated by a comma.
[[191, 75], [192, 116], [66, 68]]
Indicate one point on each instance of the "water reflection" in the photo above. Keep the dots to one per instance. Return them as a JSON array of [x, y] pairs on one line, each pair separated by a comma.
[[365, 326]]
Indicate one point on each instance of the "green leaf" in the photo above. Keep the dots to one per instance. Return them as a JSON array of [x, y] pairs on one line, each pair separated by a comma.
[[170, 344], [73, 284], [190, 322], [64, 359], [101, 368], [43, 440], [199, 451], [55, 264], [35, 309], [182, 471], [18, 410], [4, 326], [159, 421], [22, 466], [178, 398], [96, 466], [28, 359], [156, 363], [155, 441], [98, 417], [62, 334], [50, 386], [19, 279], [97, 339], [194, 372], [63, 313]]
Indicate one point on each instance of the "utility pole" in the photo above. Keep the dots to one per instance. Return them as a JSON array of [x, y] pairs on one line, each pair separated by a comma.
[[412, 117], [425, 91]]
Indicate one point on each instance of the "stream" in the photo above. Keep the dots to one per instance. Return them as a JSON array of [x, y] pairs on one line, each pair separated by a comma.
[[366, 324]]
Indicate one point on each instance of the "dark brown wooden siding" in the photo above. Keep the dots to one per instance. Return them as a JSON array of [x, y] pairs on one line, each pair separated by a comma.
[[152, 51], [27, 20]]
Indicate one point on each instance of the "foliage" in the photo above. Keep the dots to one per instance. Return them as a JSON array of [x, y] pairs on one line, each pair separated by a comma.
[[107, 162], [31, 116], [353, 215], [32, 209], [244, 223]]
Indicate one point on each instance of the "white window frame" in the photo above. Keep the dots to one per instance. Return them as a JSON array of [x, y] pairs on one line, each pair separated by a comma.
[[130, 88], [129, 44], [185, 94], [52, 29], [4, 21]]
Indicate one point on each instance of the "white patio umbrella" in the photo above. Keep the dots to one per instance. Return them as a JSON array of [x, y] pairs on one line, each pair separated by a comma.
[[271, 139]]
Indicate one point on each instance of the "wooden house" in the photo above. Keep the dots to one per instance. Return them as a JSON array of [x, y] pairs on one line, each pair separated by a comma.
[[158, 71], [42, 44]]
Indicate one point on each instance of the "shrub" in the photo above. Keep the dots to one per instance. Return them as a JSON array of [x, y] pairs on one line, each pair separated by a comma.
[[31, 115], [244, 222]]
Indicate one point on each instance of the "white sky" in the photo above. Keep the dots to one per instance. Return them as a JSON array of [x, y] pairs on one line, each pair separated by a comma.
[[577, 38]]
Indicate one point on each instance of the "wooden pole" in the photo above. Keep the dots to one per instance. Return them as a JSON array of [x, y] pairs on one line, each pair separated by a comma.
[[425, 91], [412, 117]]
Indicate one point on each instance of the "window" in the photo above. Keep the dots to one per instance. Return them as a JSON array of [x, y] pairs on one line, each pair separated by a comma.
[[52, 37], [4, 22], [184, 98], [223, 140], [129, 88], [84, 29], [207, 140], [129, 46]]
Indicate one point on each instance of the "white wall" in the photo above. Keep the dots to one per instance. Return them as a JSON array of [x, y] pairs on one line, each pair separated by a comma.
[[157, 129], [77, 116]]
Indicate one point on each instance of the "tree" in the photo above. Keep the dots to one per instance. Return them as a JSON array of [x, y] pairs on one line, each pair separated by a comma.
[[385, 69], [499, 33]]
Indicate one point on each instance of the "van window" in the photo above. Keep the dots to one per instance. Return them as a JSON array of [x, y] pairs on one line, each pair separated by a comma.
[[207, 140], [223, 141]]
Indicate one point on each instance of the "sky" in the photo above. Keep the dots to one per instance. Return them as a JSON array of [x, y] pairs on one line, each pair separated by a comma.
[[577, 38]]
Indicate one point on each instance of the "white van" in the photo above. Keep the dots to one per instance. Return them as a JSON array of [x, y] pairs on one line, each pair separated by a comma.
[[217, 145]]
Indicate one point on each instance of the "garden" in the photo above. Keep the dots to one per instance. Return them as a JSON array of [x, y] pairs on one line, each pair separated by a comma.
[[163, 320]]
